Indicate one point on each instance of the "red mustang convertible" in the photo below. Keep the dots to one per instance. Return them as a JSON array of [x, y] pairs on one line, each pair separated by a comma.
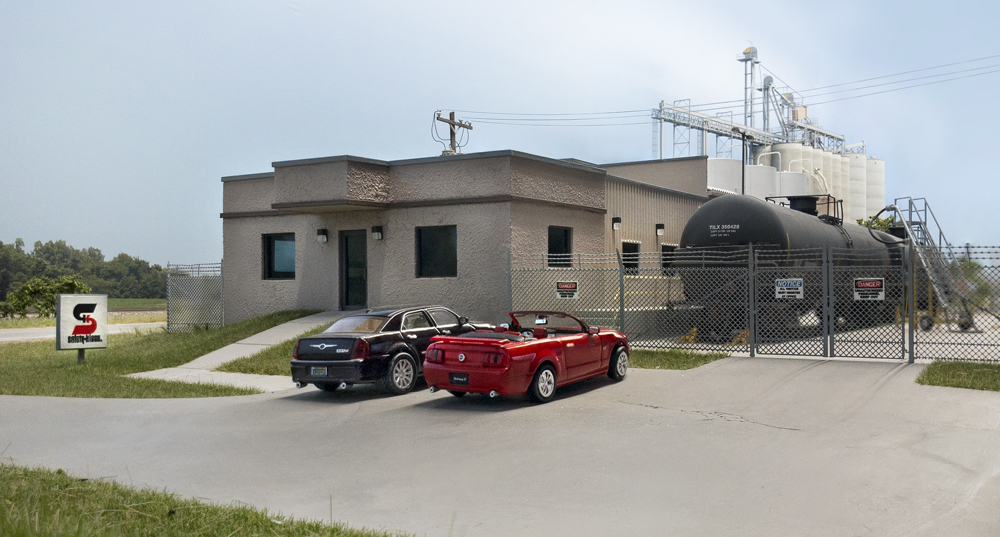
[[537, 353]]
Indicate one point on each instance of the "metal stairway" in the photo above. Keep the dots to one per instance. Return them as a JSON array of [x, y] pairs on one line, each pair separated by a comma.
[[938, 259]]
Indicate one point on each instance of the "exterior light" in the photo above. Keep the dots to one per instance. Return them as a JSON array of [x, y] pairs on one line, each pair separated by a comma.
[[616, 222], [377, 232], [321, 235], [659, 230]]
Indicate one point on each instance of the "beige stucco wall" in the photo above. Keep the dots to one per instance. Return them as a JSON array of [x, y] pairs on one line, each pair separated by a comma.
[[530, 230], [311, 182], [464, 178], [551, 182], [248, 195], [684, 174]]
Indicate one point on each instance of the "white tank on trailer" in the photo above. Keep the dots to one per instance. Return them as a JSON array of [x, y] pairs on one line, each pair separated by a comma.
[[859, 188], [875, 187]]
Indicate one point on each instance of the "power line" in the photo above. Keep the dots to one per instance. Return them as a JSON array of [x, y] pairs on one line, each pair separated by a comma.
[[907, 87], [906, 72]]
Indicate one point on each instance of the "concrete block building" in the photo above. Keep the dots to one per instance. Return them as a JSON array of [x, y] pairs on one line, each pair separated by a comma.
[[345, 232]]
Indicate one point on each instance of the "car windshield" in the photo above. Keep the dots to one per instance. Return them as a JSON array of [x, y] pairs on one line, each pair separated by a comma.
[[563, 323], [362, 324]]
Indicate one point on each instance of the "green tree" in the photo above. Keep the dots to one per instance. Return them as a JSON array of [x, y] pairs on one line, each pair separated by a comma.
[[40, 294]]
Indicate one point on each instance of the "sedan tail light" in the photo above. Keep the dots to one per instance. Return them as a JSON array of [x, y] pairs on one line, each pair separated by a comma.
[[295, 353], [434, 356], [495, 359], [361, 350]]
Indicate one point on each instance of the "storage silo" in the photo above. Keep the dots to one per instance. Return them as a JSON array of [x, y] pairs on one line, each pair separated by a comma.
[[791, 157], [859, 189], [874, 186], [845, 184], [821, 183], [832, 173], [762, 181], [762, 158], [793, 184]]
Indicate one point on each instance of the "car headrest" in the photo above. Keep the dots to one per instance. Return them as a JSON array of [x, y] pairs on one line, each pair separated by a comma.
[[539, 333], [499, 329]]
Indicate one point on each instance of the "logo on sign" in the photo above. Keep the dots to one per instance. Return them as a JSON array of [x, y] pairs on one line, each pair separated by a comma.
[[82, 313]]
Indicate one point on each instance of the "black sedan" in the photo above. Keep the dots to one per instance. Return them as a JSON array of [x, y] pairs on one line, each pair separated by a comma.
[[375, 346]]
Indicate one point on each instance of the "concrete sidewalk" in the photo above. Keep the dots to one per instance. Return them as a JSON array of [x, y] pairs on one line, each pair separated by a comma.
[[200, 369]]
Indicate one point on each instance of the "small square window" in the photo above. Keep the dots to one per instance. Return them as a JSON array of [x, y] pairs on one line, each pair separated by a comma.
[[279, 256], [630, 258], [560, 246], [437, 252]]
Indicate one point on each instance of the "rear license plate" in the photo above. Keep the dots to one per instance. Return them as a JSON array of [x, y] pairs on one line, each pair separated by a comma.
[[458, 379], [317, 371]]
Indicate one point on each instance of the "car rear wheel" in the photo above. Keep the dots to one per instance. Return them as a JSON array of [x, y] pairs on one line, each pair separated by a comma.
[[543, 385], [401, 375], [619, 363], [457, 394]]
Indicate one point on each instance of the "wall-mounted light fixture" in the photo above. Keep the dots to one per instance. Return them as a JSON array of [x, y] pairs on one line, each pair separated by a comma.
[[321, 235], [659, 230], [377, 232], [616, 222]]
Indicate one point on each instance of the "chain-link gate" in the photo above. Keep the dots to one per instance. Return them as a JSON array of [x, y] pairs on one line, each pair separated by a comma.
[[830, 303], [194, 296]]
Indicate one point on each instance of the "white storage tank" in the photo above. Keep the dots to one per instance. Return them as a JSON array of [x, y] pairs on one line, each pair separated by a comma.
[[724, 174], [832, 174], [791, 157], [859, 189], [762, 181], [845, 185], [793, 184], [764, 156], [875, 186], [814, 168]]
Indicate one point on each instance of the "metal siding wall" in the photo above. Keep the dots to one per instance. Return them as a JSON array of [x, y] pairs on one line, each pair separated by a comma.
[[640, 209]]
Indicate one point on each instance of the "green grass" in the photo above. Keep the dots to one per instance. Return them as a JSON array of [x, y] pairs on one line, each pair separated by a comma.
[[274, 360], [35, 502], [671, 359], [972, 375], [113, 318], [117, 304], [36, 368]]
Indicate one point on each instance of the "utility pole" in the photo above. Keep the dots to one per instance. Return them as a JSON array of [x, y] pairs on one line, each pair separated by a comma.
[[453, 125]]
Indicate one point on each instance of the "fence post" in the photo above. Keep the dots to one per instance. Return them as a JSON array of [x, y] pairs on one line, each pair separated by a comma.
[[827, 301], [911, 299], [752, 301], [621, 292]]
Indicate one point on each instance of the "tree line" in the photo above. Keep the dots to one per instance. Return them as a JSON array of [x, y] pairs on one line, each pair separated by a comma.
[[123, 276]]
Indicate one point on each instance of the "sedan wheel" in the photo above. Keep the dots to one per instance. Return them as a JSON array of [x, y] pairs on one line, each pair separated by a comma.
[[401, 375], [619, 364], [543, 386]]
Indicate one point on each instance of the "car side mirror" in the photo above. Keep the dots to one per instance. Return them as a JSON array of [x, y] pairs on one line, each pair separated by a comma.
[[594, 329], [463, 320]]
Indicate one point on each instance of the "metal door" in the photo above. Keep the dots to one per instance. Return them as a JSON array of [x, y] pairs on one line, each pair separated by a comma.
[[353, 269]]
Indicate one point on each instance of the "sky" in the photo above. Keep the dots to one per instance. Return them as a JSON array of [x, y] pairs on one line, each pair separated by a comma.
[[118, 119]]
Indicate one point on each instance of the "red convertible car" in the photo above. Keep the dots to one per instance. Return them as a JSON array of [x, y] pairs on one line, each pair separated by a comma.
[[537, 353]]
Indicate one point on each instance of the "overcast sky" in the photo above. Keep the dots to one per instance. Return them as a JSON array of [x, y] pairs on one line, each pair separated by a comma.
[[117, 119]]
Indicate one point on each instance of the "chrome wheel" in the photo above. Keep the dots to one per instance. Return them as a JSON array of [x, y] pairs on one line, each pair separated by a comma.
[[622, 365], [546, 383], [402, 374]]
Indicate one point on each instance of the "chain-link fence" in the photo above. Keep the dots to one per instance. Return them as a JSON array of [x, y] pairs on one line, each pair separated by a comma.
[[194, 296], [818, 302]]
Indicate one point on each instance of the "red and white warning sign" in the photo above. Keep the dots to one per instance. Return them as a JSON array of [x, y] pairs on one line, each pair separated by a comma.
[[869, 288], [567, 290]]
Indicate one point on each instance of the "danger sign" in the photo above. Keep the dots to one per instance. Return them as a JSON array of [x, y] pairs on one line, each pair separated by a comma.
[[869, 288], [567, 290]]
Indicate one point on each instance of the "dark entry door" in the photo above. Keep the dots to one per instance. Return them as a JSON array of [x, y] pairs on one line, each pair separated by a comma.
[[353, 270]]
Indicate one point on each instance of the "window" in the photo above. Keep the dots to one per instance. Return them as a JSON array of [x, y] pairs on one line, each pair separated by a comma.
[[630, 258], [444, 318], [361, 324], [437, 252], [393, 324], [667, 258], [560, 246], [279, 256], [416, 320]]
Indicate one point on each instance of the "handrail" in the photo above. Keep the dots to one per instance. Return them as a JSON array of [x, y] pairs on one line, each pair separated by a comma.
[[770, 153]]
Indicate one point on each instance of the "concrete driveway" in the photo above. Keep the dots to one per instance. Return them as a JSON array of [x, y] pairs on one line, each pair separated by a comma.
[[738, 447]]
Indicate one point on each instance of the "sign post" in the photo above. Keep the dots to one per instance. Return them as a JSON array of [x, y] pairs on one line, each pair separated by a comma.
[[81, 323]]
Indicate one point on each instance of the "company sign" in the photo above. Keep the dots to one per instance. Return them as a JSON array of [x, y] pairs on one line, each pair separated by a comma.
[[869, 288], [81, 322], [788, 288], [567, 290]]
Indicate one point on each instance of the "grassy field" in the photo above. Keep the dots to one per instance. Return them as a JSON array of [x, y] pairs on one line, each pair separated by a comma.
[[36, 368], [126, 304], [114, 317], [271, 361], [44, 502], [671, 359], [972, 375]]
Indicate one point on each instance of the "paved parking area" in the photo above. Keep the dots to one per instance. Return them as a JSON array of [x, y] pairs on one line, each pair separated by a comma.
[[737, 447]]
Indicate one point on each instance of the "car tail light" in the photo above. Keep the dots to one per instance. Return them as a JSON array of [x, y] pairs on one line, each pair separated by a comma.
[[295, 353], [435, 356], [495, 359], [360, 350]]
